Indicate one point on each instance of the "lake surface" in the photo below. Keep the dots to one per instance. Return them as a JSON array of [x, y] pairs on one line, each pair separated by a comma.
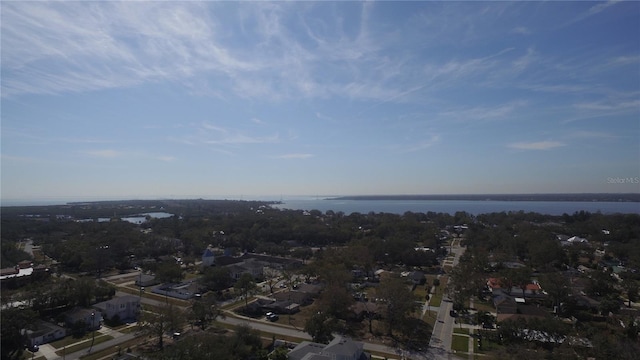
[[142, 218], [451, 206]]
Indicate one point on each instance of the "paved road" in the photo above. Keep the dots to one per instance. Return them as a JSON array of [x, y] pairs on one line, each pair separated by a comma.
[[442, 335]]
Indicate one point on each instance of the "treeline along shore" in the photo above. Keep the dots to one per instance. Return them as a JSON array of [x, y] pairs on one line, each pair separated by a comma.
[[627, 197]]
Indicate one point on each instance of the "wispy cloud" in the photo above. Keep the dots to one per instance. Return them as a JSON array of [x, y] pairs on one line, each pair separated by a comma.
[[595, 9], [521, 30], [166, 158], [630, 105], [294, 156], [583, 134], [484, 113], [536, 145], [243, 139], [424, 144], [105, 154]]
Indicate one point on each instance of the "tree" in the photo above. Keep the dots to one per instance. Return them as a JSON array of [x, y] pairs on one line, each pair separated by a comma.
[[519, 277], [270, 277], [243, 344], [169, 272], [399, 301], [84, 290], [280, 353], [631, 288], [216, 278], [204, 311], [556, 286], [245, 285], [336, 300], [13, 340], [320, 326], [436, 283], [167, 318]]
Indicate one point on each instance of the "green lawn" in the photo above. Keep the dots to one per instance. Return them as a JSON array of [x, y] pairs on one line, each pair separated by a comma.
[[84, 345], [59, 344], [461, 331], [111, 350], [460, 343], [27, 355], [129, 329], [436, 299], [430, 317], [420, 292]]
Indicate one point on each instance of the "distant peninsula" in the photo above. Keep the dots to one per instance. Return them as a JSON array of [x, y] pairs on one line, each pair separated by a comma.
[[627, 197]]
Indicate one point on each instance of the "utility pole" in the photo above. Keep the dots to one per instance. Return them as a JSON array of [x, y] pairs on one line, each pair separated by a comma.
[[93, 326]]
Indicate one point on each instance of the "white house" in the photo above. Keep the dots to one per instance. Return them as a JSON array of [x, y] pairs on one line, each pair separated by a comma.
[[43, 333], [125, 307]]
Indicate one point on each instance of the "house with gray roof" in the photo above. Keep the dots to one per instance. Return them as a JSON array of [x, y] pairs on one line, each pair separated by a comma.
[[124, 307], [340, 348], [208, 258]]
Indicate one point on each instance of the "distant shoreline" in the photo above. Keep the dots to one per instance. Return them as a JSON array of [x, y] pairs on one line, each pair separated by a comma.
[[629, 197]]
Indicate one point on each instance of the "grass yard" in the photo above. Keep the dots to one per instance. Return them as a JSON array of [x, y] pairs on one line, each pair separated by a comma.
[[420, 292], [430, 317], [27, 355], [84, 345], [129, 329], [483, 306], [108, 351], [59, 344], [460, 343], [436, 299], [461, 331]]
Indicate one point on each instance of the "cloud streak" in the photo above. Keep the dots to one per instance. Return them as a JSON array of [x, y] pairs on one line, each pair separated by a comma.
[[294, 156], [536, 145]]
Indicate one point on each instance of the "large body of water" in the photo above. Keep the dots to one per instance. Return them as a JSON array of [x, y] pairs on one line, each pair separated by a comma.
[[452, 206]]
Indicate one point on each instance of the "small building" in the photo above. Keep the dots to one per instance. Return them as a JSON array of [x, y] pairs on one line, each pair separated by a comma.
[[43, 333]]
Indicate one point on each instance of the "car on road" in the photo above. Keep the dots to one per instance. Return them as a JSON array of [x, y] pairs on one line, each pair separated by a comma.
[[272, 317]]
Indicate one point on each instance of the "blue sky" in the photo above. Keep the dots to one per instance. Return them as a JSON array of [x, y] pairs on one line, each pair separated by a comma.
[[228, 99]]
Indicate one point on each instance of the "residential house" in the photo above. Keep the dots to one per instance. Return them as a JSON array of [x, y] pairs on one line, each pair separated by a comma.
[[340, 348], [509, 307], [124, 307], [146, 280], [275, 262], [208, 258], [91, 318], [250, 266], [312, 290], [294, 296], [504, 303], [417, 277], [43, 333]]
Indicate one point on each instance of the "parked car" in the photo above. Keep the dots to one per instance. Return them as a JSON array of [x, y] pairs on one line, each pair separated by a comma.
[[272, 317]]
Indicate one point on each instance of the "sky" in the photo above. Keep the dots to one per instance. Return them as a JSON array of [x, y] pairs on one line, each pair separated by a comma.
[[249, 99]]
